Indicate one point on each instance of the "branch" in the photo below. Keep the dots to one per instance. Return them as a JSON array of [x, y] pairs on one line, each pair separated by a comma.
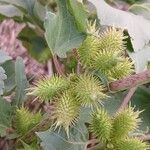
[[4, 144], [45, 124], [145, 137], [76, 54], [78, 70], [58, 66], [96, 147], [131, 81], [93, 143], [127, 98], [50, 68]]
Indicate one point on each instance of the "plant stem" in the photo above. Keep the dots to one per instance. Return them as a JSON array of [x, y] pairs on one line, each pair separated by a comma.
[[50, 68], [93, 144], [127, 98], [4, 144], [92, 141], [76, 54], [145, 137], [58, 66], [93, 148], [45, 124], [131, 81], [78, 70]]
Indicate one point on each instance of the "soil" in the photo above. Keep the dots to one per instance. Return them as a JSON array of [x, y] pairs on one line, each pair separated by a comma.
[[9, 31]]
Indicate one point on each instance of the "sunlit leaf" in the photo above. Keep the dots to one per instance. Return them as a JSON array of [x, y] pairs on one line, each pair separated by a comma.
[[137, 26]]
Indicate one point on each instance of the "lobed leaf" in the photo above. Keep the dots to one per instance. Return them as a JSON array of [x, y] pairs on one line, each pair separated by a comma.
[[21, 82], [5, 116], [61, 32], [50, 140], [137, 26]]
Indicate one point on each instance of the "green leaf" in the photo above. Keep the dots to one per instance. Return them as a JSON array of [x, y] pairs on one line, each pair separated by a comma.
[[61, 33], [20, 3], [52, 140], [114, 101], [6, 111], [103, 78], [148, 65], [85, 115], [30, 5], [9, 83], [37, 48], [141, 101], [4, 57], [21, 82], [111, 105], [137, 26], [130, 1], [10, 11], [3, 129], [2, 78], [142, 9], [39, 11], [78, 11], [29, 147], [141, 58]]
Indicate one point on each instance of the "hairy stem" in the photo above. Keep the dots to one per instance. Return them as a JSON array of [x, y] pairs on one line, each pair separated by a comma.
[[4, 144], [96, 147], [127, 99], [131, 81], [58, 66], [45, 124], [50, 68], [78, 70], [93, 143], [145, 137]]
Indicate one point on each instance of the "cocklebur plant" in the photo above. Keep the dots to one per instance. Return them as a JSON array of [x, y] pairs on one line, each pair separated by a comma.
[[99, 51], [113, 132], [112, 39], [101, 125], [89, 90], [124, 122], [71, 93], [45, 89], [131, 144], [25, 120], [105, 53], [64, 102], [67, 108], [87, 50], [83, 90]]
